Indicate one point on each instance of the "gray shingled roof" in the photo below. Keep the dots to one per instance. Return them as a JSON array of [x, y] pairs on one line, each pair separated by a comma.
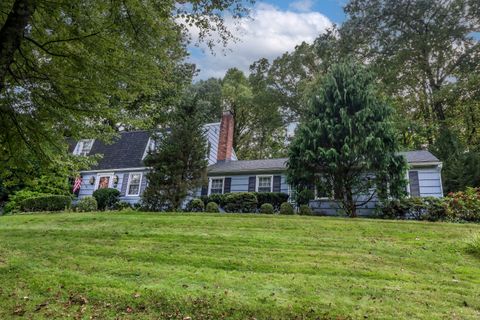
[[419, 156], [271, 165], [125, 152]]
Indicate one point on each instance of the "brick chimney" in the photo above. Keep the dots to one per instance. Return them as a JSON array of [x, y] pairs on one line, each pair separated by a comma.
[[225, 140]]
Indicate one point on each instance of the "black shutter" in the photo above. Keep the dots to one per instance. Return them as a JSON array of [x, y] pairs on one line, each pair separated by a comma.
[[252, 181], [123, 192], [227, 185], [414, 183], [204, 191], [277, 180]]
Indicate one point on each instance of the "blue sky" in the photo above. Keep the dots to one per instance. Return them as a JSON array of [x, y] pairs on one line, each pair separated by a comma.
[[274, 28]]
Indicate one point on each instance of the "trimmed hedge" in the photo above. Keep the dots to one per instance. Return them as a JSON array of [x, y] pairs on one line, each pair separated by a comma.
[[46, 203], [303, 197], [273, 198], [305, 210], [212, 207], [286, 208], [245, 202], [195, 205], [267, 208], [219, 199], [87, 204], [415, 208], [106, 198]]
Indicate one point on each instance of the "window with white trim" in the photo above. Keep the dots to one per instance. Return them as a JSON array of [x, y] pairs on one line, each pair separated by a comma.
[[216, 186], [83, 147], [264, 183], [133, 187]]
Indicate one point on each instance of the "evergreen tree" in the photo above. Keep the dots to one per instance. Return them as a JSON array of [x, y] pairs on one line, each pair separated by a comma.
[[347, 144], [179, 161]]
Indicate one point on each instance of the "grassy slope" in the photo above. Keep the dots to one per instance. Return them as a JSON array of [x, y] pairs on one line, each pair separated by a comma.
[[135, 265]]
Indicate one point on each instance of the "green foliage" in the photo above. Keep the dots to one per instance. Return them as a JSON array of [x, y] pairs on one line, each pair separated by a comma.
[[212, 207], [46, 203], [245, 202], [273, 198], [267, 208], [80, 68], [348, 137], [258, 128], [195, 205], [14, 201], [209, 98], [464, 205], [178, 163], [286, 208], [219, 199], [106, 198], [305, 210], [122, 205], [87, 204], [473, 245], [417, 208], [304, 196]]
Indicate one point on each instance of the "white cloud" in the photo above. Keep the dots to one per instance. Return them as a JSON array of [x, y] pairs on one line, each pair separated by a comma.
[[268, 33], [302, 5]]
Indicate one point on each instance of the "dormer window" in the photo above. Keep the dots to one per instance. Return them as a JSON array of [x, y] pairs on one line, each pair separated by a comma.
[[83, 147], [150, 147]]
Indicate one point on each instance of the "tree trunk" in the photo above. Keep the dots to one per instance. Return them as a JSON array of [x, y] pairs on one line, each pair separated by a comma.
[[11, 35], [351, 206]]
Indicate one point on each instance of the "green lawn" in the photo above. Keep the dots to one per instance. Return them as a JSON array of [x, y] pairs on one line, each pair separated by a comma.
[[175, 266]]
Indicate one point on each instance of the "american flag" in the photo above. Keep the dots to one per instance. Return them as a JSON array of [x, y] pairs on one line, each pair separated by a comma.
[[76, 185]]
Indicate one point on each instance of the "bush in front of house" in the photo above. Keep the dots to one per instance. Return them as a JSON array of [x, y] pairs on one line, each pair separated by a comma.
[[106, 198], [212, 207], [286, 208], [305, 210], [304, 196], [195, 205], [46, 203], [267, 208], [87, 204], [245, 202], [464, 205], [273, 198], [219, 199], [122, 205], [416, 208], [13, 204]]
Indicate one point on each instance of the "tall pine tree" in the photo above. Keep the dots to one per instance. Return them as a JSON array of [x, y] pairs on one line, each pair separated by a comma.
[[179, 160], [347, 145]]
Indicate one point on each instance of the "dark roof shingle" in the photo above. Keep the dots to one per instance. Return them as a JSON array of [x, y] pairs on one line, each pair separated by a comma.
[[126, 151]]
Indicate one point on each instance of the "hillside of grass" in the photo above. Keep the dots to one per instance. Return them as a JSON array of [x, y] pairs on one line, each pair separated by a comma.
[[132, 265]]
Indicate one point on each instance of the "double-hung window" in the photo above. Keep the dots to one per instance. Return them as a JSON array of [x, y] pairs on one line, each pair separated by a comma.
[[264, 184], [216, 186], [133, 188]]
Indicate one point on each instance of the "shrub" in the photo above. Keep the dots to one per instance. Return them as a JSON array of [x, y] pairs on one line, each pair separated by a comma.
[[87, 204], [240, 202], [464, 205], [266, 208], [436, 209], [46, 203], [305, 210], [212, 207], [274, 198], [286, 208], [106, 198], [303, 197], [122, 205], [195, 205], [14, 200], [219, 199]]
